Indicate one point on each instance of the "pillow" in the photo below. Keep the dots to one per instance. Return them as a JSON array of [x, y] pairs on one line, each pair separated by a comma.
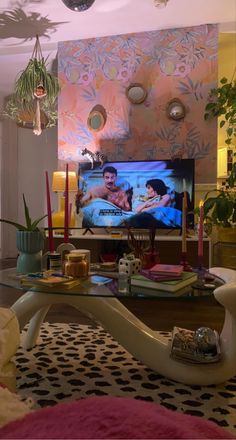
[[111, 418], [11, 407]]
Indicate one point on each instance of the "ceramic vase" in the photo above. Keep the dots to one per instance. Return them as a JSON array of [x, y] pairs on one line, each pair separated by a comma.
[[30, 245]]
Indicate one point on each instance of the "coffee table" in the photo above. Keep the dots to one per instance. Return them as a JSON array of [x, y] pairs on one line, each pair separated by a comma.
[[101, 302]]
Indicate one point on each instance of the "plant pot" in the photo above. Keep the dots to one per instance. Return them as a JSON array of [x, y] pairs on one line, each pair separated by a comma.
[[227, 235], [30, 245], [26, 119], [223, 241]]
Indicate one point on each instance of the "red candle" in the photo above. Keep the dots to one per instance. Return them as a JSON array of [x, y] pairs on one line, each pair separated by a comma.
[[66, 217], [200, 229], [184, 229], [49, 211]]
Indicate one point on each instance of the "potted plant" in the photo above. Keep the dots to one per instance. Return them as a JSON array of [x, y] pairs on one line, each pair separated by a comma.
[[220, 210], [29, 241], [33, 103], [223, 104]]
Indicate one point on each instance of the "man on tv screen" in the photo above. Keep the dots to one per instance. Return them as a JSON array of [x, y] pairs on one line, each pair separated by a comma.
[[109, 191]]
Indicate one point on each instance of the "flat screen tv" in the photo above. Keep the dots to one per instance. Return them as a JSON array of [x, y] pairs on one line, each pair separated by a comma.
[[140, 194]]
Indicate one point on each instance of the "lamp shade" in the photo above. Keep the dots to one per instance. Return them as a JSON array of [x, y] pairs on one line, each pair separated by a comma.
[[59, 181]]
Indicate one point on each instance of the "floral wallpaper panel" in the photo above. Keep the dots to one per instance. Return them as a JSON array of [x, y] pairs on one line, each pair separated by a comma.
[[173, 63]]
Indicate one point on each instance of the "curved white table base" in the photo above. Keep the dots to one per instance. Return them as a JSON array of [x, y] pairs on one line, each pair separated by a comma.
[[143, 343], [34, 327]]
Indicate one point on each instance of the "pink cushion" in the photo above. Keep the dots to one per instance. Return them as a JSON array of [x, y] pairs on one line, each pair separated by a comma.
[[111, 418]]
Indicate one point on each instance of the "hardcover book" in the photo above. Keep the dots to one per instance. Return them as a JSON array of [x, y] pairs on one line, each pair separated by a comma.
[[167, 269], [146, 292], [185, 347], [168, 286], [159, 277]]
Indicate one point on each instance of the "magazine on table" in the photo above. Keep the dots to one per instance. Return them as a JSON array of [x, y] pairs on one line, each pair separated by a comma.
[[48, 279], [186, 348]]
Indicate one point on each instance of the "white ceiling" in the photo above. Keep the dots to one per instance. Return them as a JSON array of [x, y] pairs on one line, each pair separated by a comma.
[[21, 20]]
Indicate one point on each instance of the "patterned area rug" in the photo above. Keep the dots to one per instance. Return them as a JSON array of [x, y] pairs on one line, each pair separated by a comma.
[[73, 361]]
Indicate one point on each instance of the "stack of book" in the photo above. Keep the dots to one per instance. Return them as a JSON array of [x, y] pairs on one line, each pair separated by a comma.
[[48, 280], [186, 348], [170, 279], [162, 272]]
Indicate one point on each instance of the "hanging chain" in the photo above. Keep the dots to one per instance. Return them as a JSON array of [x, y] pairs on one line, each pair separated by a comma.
[[37, 51]]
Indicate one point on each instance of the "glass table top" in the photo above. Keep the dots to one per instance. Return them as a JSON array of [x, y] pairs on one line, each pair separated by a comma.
[[102, 286]]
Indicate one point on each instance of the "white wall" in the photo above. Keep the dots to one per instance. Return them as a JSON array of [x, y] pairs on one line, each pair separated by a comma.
[[25, 158], [36, 154]]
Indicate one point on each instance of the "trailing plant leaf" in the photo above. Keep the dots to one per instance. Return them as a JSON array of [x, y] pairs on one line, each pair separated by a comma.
[[15, 109], [17, 225], [224, 105], [25, 93], [30, 226]]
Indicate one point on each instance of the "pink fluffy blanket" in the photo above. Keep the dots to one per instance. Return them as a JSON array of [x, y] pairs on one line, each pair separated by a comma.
[[111, 418]]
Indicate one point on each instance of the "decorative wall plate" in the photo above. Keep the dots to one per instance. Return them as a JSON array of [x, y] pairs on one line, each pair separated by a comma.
[[136, 93], [176, 109], [97, 118]]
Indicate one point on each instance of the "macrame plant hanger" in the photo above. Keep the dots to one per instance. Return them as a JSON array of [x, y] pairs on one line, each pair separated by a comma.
[[39, 89]]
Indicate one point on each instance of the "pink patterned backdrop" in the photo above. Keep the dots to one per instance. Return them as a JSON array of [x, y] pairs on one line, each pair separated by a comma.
[[172, 63]]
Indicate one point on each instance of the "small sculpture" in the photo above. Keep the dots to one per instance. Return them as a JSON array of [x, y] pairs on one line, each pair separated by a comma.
[[94, 157]]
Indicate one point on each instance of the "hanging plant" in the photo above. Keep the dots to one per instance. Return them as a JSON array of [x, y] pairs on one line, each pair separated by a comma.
[[35, 93], [223, 104]]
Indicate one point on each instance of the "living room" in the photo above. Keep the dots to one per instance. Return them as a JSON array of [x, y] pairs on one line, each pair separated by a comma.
[[144, 129]]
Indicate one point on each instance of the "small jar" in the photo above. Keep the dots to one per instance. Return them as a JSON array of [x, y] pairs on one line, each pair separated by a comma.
[[76, 266], [54, 259]]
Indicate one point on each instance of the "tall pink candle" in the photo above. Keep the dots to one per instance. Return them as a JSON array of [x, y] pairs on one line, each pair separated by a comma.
[[66, 217], [200, 229], [184, 229], [49, 211]]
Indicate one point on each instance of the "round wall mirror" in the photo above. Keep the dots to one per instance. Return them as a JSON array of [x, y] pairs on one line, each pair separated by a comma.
[[136, 93], [97, 118], [176, 109]]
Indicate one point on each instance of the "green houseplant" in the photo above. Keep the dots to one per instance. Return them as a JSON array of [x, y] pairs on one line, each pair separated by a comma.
[[29, 241], [223, 104], [220, 204], [35, 93]]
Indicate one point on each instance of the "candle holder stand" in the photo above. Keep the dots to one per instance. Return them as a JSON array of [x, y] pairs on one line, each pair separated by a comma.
[[202, 272], [184, 262]]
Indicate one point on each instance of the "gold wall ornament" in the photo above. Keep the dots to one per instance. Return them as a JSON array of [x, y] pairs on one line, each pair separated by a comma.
[[136, 93], [97, 118], [175, 109]]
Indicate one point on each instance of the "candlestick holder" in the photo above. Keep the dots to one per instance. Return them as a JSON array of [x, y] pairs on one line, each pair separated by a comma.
[[201, 271], [184, 262]]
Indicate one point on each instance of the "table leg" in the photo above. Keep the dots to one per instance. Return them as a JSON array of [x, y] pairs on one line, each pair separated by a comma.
[[142, 342], [34, 328]]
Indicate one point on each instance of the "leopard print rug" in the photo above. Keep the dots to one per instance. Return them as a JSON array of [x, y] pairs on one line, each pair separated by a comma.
[[73, 361]]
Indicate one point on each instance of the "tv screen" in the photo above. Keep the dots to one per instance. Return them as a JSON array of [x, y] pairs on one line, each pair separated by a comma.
[[141, 194]]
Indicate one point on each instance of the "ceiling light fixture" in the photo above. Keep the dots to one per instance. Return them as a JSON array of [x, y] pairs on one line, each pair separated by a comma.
[[78, 5], [160, 3]]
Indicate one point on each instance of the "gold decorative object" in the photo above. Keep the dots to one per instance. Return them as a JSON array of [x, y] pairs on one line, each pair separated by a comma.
[[139, 241], [176, 109], [97, 118], [136, 93]]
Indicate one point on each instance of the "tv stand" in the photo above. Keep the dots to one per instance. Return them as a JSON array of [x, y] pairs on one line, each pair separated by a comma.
[[168, 246], [88, 230]]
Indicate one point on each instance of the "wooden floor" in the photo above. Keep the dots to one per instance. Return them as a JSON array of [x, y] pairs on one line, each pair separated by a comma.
[[159, 314]]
